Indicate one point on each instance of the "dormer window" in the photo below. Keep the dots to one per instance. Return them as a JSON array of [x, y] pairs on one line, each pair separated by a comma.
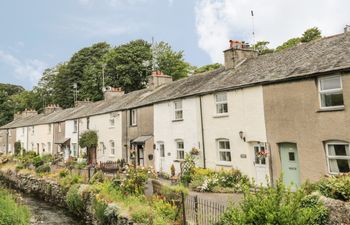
[[331, 92]]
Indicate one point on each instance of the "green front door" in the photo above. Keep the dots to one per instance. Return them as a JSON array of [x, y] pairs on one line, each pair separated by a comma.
[[290, 163]]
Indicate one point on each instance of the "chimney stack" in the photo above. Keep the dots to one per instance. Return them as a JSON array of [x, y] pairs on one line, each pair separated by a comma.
[[347, 29], [51, 108], [25, 114], [112, 92], [238, 53], [157, 79]]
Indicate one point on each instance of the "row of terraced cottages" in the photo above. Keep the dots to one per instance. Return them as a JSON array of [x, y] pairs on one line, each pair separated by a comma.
[[285, 112]]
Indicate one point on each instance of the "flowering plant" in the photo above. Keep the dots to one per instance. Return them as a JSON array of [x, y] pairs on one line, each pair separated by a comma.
[[194, 151], [262, 154]]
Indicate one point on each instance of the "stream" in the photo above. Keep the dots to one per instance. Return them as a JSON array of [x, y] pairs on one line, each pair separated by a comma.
[[47, 214]]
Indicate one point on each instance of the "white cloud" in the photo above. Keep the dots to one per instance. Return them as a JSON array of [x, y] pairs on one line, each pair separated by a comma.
[[217, 21], [31, 69]]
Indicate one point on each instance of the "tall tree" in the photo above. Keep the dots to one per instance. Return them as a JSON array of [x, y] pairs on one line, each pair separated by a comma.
[[311, 34], [262, 47], [207, 68], [169, 61], [7, 106], [129, 65]]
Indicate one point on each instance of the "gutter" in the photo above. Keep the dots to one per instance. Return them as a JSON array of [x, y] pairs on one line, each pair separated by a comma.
[[202, 128]]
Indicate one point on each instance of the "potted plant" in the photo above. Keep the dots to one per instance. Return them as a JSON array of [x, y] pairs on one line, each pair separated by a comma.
[[194, 151]]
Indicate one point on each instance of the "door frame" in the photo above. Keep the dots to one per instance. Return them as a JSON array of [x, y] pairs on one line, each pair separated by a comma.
[[298, 160]]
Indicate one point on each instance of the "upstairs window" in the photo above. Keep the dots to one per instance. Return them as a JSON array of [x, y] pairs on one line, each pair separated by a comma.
[[338, 157], [88, 123], [133, 117], [221, 103], [59, 127], [178, 110], [33, 130], [180, 150], [331, 92], [224, 150], [75, 128], [50, 128], [111, 121]]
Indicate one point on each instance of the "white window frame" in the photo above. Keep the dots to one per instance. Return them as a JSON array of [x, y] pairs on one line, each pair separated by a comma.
[[178, 149], [330, 91], [50, 128], [219, 150], [176, 110], [102, 147], [335, 157], [217, 103], [161, 150], [75, 126], [112, 145], [59, 127], [133, 117]]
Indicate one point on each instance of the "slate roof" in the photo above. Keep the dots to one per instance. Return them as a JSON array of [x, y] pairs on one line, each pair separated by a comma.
[[305, 60]]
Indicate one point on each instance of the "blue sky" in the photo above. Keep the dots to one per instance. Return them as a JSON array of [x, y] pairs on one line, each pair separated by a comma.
[[38, 34]]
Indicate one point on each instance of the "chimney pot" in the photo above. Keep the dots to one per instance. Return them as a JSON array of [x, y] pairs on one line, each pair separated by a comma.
[[347, 29], [237, 53]]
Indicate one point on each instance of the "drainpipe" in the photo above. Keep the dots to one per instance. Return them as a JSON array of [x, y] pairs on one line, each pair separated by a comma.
[[126, 136], [7, 141], [27, 141], [78, 133], [202, 128]]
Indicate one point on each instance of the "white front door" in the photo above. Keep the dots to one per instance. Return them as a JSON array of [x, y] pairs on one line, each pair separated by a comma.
[[261, 165]]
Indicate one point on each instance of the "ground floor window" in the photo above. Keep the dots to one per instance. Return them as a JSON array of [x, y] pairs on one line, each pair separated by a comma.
[[338, 157], [224, 150], [180, 150], [162, 150]]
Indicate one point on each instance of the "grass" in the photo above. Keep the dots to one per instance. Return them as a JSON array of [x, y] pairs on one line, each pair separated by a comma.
[[12, 213]]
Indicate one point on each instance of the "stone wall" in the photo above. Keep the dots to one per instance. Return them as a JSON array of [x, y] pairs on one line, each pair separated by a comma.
[[52, 192], [339, 211]]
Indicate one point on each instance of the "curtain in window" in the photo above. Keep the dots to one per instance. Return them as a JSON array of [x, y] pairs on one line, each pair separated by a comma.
[[333, 165]]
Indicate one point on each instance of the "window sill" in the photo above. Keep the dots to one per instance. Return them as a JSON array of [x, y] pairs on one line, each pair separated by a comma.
[[111, 127], [179, 160], [178, 120], [331, 109], [225, 164], [133, 125], [220, 115]]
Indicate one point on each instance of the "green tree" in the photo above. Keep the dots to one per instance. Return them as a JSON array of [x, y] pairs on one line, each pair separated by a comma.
[[311, 34], [207, 68], [289, 44], [129, 65], [262, 47], [7, 106], [170, 62]]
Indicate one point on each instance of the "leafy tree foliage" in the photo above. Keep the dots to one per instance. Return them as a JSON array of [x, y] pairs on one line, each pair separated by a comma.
[[311, 34], [262, 47], [170, 62], [129, 65], [88, 139], [7, 106], [207, 68]]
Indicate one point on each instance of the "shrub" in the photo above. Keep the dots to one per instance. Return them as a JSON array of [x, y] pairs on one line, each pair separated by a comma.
[[38, 161], [70, 180], [97, 178], [99, 208], [276, 206], [11, 212], [164, 209], [63, 173], [143, 215], [188, 170], [337, 187], [134, 182], [75, 201], [172, 170], [88, 139], [48, 158], [19, 167], [43, 169]]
